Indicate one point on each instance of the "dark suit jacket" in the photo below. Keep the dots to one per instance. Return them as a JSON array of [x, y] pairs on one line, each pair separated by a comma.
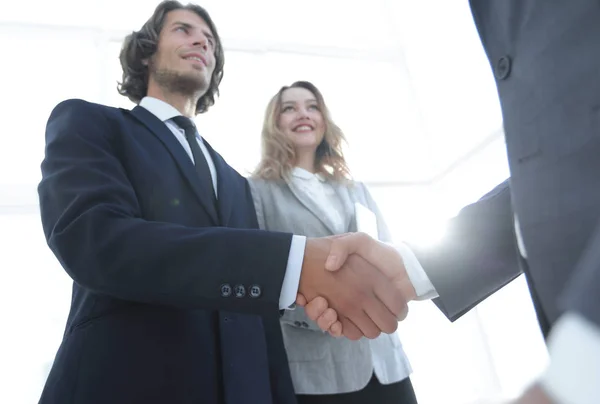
[[150, 321], [544, 56]]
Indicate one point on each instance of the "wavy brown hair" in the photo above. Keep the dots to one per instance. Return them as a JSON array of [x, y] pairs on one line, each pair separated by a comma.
[[278, 154], [143, 44]]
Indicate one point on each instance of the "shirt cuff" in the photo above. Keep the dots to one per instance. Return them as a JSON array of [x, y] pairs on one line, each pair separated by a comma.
[[291, 280], [417, 275], [574, 347]]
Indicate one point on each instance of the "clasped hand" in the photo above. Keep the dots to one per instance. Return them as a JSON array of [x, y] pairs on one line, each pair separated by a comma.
[[354, 285]]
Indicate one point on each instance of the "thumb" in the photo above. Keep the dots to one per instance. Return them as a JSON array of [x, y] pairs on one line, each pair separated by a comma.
[[301, 300], [341, 247]]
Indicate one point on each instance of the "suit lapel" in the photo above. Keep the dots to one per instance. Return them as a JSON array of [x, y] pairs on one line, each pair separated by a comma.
[[226, 179], [164, 134], [313, 207]]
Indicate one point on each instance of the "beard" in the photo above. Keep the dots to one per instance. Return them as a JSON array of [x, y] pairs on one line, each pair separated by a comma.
[[188, 84]]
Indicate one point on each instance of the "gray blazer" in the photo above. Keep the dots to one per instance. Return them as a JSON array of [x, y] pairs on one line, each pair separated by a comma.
[[319, 363], [545, 59]]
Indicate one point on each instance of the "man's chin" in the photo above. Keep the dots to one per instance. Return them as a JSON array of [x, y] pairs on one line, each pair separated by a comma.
[[189, 83], [192, 83]]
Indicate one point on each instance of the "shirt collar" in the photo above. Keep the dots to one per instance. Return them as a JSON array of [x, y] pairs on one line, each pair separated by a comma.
[[159, 108], [306, 175]]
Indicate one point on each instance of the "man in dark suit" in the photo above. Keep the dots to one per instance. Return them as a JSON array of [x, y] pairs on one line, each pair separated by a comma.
[[545, 59], [176, 294]]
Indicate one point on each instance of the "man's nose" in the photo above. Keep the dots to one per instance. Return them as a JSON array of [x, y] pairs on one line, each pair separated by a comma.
[[201, 41]]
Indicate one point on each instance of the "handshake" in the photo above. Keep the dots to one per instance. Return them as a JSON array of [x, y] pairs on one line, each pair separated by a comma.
[[354, 285]]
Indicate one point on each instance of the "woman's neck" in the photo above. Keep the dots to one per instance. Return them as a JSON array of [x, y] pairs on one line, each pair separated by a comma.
[[306, 161]]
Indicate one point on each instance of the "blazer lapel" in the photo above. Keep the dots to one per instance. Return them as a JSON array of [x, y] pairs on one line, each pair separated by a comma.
[[347, 198], [313, 207], [164, 134]]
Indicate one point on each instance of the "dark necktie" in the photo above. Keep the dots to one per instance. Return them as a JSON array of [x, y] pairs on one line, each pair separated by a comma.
[[200, 161]]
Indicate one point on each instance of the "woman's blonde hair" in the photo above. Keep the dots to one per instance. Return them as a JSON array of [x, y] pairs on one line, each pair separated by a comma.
[[278, 154]]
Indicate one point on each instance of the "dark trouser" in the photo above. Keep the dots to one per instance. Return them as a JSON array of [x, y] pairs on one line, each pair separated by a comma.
[[374, 393]]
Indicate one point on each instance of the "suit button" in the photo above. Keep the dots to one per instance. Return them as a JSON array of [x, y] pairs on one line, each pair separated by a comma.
[[225, 290], [503, 66], [297, 323], [304, 324], [255, 291], [239, 290]]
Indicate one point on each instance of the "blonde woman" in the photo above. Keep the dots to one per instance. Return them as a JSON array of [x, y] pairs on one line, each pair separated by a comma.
[[302, 185]]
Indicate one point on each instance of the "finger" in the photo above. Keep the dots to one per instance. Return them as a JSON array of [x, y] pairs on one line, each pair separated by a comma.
[[301, 300], [327, 319], [385, 302], [338, 235], [365, 324], [395, 303], [383, 256], [392, 296], [350, 330], [382, 317], [316, 307], [341, 247], [336, 329]]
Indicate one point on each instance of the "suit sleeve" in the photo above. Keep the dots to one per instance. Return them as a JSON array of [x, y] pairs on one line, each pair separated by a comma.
[[478, 255], [93, 223]]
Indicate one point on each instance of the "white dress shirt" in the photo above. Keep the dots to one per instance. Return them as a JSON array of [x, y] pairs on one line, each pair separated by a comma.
[[166, 112]]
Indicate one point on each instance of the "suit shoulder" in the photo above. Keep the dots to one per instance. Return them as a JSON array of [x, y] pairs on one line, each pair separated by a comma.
[[265, 185], [71, 114], [255, 181], [78, 105], [257, 185], [353, 186], [266, 189]]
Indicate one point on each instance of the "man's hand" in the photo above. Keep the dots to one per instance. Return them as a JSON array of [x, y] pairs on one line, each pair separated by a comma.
[[382, 256], [365, 300], [319, 311]]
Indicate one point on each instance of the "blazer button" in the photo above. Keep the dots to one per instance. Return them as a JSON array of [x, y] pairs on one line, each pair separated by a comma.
[[304, 324], [225, 290], [503, 67], [239, 290], [297, 323], [255, 291]]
